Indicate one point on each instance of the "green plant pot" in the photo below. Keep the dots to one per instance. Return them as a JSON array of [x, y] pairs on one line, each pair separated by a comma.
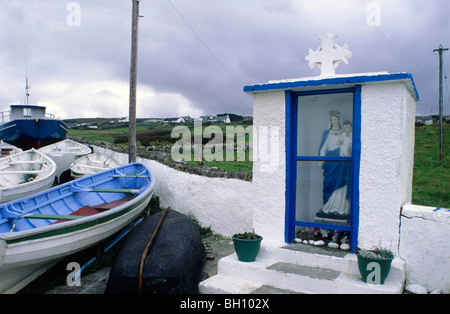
[[247, 250], [374, 271]]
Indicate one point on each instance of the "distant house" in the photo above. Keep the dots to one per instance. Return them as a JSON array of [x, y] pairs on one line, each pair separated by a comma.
[[424, 120], [154, 120], [124, 119], [171, 120], [207, 118], [184, 119], [222, 118]]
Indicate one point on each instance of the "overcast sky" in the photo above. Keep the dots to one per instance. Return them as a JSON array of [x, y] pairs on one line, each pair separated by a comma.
[[195, 56]]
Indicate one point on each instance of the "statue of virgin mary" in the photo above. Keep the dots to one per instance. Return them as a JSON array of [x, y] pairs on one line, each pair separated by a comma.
[[336, 181]]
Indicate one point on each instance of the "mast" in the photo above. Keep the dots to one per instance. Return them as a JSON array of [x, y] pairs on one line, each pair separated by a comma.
[[27, 93]]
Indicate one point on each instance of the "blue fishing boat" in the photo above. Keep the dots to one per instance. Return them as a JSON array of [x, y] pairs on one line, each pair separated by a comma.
[[39, 230], [30, 126]]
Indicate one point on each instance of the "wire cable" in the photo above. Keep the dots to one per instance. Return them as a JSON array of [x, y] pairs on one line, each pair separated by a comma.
[[204, 44]]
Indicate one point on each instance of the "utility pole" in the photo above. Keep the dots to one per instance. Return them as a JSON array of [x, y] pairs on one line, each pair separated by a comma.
[[133, 84], [441, 131]]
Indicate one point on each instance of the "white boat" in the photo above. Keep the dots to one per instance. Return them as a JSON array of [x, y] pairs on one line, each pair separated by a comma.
[[92, 163], [8, 149], [64, 153], [39, 230], [25, 173]]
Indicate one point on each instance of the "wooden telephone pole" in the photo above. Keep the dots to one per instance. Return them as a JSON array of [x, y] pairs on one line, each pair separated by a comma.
[[441, 131], [133, 83]]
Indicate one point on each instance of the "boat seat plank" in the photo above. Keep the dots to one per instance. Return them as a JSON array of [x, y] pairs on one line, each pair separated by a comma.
[[21, 171], [90, 210], [84, 211], [110, 205], [132, 191], [129, 176]]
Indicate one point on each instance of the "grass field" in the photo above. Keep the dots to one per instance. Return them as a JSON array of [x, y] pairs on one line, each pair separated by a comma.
[[430, 180]]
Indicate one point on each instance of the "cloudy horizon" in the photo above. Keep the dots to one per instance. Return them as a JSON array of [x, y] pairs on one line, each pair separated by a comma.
[[196, 56]]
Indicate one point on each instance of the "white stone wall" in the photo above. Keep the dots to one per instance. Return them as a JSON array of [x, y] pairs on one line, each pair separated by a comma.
[[425, 246], [224, 204]]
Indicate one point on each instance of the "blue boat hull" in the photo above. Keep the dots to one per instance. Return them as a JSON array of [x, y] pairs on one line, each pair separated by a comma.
[[38, 230], [33, 133]]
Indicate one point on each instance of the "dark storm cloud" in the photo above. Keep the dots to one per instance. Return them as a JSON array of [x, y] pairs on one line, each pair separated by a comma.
[[195, 56]]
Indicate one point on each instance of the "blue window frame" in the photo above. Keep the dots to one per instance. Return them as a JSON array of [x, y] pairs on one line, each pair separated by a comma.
[[297, 155]]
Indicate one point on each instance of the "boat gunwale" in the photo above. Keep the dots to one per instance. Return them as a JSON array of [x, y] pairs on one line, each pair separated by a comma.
[[85, 149], [76, 168]]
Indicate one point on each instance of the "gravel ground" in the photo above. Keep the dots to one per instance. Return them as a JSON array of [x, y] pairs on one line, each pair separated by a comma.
[[220, 247]]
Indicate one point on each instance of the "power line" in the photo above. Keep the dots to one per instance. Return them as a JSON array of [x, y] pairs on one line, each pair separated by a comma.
[[204, 44], [446, 83], [422, 68], [423, 60]]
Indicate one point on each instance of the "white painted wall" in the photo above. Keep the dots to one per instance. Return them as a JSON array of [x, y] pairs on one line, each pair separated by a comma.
[[224, 204], [425, 246], [387, 150], [269, 165]]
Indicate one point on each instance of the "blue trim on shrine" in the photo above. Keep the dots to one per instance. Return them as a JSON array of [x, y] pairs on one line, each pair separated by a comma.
[[291, 152], [344, 80], [291, 98]]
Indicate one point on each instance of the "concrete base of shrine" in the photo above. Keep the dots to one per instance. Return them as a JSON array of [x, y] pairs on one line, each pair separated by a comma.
[[299, 268]]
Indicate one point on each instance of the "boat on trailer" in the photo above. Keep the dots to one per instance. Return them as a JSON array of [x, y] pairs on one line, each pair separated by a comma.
[[92, 163], [64, 153], [25, 173], [38, 231]]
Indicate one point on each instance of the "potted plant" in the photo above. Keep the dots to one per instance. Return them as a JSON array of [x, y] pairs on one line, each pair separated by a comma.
[[374, 265], [247, 245]]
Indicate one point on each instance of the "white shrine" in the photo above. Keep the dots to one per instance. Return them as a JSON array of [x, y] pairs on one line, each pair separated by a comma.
[[327, 177]]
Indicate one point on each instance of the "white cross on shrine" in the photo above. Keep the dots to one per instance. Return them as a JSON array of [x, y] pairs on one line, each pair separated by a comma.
[[329, 55]]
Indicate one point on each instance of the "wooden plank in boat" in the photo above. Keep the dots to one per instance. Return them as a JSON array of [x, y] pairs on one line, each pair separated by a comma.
[[110, 205], [83, 212]]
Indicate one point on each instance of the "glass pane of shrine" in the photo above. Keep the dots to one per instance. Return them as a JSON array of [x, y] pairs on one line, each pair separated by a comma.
[[323, 192], [325, 125]]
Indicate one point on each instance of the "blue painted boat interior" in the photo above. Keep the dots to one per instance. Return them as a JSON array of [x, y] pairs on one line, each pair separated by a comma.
[[67, 198]]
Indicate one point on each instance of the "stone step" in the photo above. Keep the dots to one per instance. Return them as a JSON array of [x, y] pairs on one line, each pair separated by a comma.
[[296, 271], [222, 284]]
